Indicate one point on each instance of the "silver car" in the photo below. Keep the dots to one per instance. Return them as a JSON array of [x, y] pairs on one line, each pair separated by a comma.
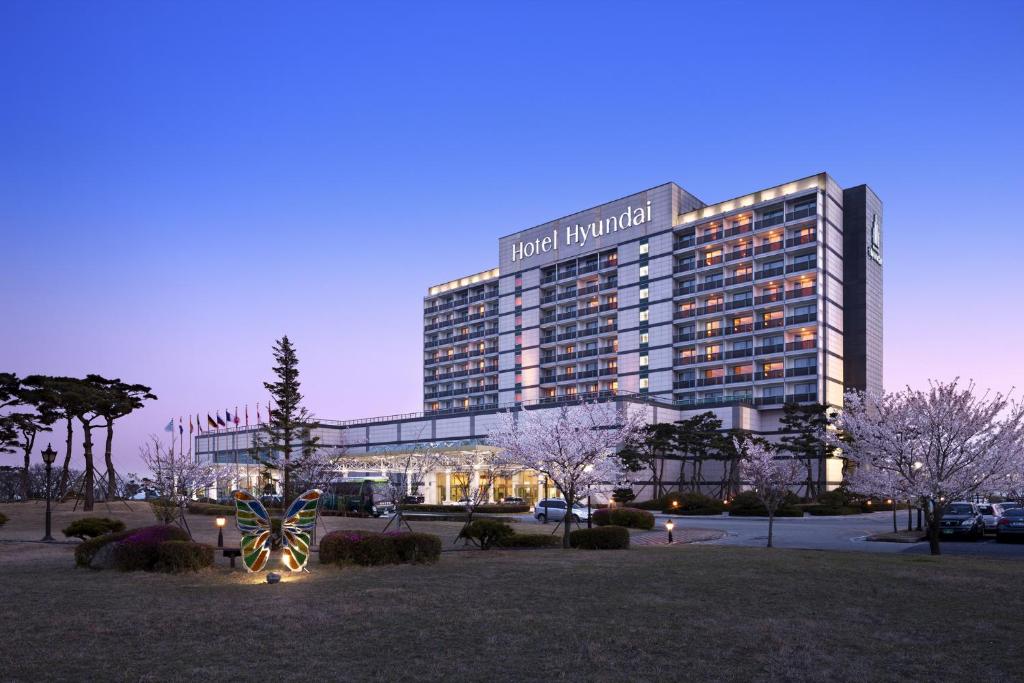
[[554, 509], [990, 514]]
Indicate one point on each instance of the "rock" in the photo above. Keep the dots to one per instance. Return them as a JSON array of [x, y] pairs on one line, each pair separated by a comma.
[[104, 557], [273, 577]]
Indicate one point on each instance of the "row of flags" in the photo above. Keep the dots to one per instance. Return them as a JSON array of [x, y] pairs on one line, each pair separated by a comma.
[[215, 422]]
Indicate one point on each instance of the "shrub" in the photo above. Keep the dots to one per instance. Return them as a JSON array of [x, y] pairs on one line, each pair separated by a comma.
[[747, 504], [486, 532], [212, 509], [829, 511], [690, 503], [625, 517], [165, 510], [600, 538], [86, 550], [623, 495], [140, 550], [3, 519], [372, 548], [91, 527], [183, 556], [531, 541]]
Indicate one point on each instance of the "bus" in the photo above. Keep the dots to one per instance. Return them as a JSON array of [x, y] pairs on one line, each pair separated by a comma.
[[359, 495]]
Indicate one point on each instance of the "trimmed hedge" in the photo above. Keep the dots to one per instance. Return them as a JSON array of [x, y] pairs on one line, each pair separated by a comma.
[[486, 533], [212, 509], [600, 538], [692, 503], [371, 548], [3, 519], [91, 527], [747, 504], [531, 541], [183, 556], [486, 508], [631, 518], [86, 550], [141, 549]]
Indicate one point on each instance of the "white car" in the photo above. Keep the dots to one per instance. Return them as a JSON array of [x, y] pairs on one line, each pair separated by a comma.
[[991, 512], [554, 509]]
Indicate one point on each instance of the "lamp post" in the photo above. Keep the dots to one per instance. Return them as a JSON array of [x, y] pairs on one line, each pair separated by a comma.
[[670, 525], [49, 455], [221, 521]]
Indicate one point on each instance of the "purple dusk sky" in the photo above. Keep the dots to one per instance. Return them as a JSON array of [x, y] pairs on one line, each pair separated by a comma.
[[182, 184]]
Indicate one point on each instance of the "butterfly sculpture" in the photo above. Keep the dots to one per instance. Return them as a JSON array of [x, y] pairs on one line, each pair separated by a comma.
[[259, 537]]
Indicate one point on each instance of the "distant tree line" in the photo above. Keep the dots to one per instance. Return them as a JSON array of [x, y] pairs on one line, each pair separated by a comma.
[[32, 405]]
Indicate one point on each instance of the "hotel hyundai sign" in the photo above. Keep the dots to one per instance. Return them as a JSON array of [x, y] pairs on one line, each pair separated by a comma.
[[579, 234]]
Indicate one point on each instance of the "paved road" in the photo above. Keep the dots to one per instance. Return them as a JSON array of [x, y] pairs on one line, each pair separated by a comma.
[[848, 532]]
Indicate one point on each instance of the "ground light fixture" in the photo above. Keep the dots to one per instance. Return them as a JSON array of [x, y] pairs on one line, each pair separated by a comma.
[[670, 525], [49, 455], [221, 521]]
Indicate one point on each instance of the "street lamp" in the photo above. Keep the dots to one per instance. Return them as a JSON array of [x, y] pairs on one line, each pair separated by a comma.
[[49, 455], [670, 525], [221, 521]]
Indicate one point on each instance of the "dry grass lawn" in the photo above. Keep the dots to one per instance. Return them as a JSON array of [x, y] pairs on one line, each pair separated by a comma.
[[688, 612]]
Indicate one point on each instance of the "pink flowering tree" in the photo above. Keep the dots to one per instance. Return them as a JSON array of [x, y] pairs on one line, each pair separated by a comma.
[[574, 446], [940, 445], [769, 474], [177, 478]]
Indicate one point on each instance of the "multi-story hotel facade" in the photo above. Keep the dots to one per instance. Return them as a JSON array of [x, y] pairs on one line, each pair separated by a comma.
[[656, 300]]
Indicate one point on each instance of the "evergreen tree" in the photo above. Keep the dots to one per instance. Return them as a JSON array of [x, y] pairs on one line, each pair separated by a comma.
[[648, 450], [286, 439], [804, 428], [695, 438], [118, 399]]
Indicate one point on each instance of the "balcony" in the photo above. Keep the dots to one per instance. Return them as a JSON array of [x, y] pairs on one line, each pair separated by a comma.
[[548, 279], [769, 247], [739, 377], [588, 268], [686, 360], [770, 272], [739, 353], [802, 372], [739, 229], [713, 308], [610, 284], [547, 379], [802, 292], [709, 261], [610, 263], [683, 337], [769, 221], [801, 398], [740, 329], [802, 212], [770, 324], [586, 353], [604, 308], [566, 335], [710, 381], [481, 297], [684, 243], [570, 272], [684, 384], [769, 374], [770, 348], [608, 372], [587, 374], [607, 350], [710, 357], [567, 377], [802, 318], [548, 339], [739, 303], [682, 267], [710, 237], [684, 313], [738, 279], [566, 356], [482, 352], [769, 298], [801, 344], [709, 285], [809, 238], [568, 294], [738, 254], [548, 319], [567, 315], [591, 289], [769, 400], [709, 334], [802, 265], [481, 316], [587, 331]]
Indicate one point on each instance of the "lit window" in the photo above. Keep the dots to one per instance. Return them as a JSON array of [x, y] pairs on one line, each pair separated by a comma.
[[643, 315], [644, 382], [643, 293], [643, 360], [644, 247], [644, 338], [643, 271]]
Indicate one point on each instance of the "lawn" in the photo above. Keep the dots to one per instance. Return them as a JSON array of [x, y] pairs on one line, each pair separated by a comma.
[[685, 612]]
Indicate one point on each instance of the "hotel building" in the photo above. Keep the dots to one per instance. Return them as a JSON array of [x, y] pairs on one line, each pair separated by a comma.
[[657, 300]]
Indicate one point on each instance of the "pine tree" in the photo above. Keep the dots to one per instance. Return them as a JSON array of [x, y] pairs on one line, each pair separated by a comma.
[[287, 436], [804, 427]]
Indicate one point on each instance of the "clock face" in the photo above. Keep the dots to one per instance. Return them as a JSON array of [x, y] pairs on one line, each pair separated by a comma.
[[875, 245]]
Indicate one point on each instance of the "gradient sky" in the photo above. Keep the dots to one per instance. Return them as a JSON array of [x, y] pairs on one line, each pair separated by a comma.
[[182, 183]]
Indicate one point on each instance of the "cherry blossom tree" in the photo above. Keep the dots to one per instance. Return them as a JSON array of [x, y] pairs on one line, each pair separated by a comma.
[[177, 478], [940, 445], [574, 446], [770, 476]]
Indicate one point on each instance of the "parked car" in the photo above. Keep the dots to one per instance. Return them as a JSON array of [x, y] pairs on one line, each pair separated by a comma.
[[513, 500], [990, 514], [962, 519], [1010, 525], [554, 509]]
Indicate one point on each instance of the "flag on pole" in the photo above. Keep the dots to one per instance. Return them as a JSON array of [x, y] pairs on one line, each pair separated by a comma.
[[220, 422], [181, 427], [170, 426], [210, 422], [237, 419], [246, 414], [199, 424], [190, 424], [259, 420]]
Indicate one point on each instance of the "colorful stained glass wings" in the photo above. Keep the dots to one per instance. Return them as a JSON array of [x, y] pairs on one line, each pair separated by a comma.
[[254, 525], [299, 520], [257, 531]]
